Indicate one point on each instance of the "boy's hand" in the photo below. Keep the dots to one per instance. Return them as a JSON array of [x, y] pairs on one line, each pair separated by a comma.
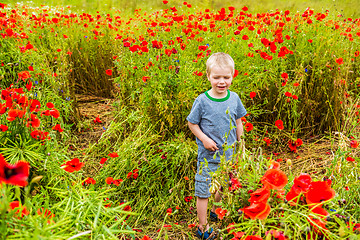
[[209, 144]]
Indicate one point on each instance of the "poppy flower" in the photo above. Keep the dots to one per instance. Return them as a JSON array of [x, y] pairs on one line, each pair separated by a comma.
[[97, 120], [117, 181], [339, 61], [113, 155], [45, 213], [319, 192], [349, 159], [29, 86], [354, 144], [55, 113], [279, 124], [188, 198], [34, 105], [260, 195], [248, 127], [14, 174], [108, 72], [220, 212], [89, 181], [103, 160], [252, 95], [50, 105], [319, 221], [234, 184], [34, 121], [3, 128], [257, 210], [274, 179], [21, 209], [58, 128], [24, 75], [109, 180], [146, 237], [236, 72], [253, 237], [267, 140], [285, 75], [72, 165], [302, 183]]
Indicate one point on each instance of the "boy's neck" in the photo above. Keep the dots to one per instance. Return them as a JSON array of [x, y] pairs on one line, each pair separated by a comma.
[[214, 94]]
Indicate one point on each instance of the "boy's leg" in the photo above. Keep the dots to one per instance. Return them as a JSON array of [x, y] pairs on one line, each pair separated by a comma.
[[217, 199], [201, 208]]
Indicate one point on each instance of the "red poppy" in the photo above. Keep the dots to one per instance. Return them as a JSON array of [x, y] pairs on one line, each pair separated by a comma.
[[3, 128], [108, 72], [267, 140], [319, 192], [188, 198], [21, 209], [73, 165], [103, 160], [319, 221], [97, 120], [14, 174], [252, 95], [253, 237], [117, 181], [236, 72], [29, 85], [34, 121], [339, 61], [257, 210], [146, 237], [302, 183], [354, 144], [50, 105], [24, 75], [58, 128], [248, 127], [279, 124], [89, 181], [55, 113], [260, 195], [34, 105], [109, 180], [234, 184], [274, 179], [285, 75], [113, 155], [349, 159], [220, 212]]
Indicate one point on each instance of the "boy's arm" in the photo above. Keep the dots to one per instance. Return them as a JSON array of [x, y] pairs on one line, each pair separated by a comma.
[[239, 133], [209, 144]]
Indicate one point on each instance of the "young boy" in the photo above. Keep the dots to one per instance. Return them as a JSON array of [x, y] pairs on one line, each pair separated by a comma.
[[209, 122]]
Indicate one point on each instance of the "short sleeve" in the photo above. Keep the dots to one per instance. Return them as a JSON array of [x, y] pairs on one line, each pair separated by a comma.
[[240, 109], [195, 113]]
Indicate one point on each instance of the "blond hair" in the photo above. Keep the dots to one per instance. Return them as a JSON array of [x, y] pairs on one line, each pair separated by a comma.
[[220, 59]]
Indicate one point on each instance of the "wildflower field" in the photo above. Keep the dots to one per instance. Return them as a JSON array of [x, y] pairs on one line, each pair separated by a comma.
[[94, 142]]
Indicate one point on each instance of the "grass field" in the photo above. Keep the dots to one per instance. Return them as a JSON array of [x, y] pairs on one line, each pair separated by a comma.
[[94, 141]]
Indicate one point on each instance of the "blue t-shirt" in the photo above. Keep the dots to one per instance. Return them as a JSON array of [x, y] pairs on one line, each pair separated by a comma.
[[210, 114]]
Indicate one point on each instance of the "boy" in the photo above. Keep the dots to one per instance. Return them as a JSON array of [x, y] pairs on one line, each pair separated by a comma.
[[209, 122]]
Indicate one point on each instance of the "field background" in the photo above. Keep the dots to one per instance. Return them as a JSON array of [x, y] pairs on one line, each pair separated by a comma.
[[135, 116]]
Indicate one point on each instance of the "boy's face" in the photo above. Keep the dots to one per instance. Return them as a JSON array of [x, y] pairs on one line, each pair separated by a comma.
[[220, 79]]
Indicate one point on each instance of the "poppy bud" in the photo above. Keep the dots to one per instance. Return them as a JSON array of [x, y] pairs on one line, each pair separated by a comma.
[[36, 179], [215, 186], [341, 231], [268, 236], [288, 162]]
